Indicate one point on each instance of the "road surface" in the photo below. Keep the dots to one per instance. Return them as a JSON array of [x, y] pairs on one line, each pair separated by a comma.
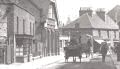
[[94, 63]]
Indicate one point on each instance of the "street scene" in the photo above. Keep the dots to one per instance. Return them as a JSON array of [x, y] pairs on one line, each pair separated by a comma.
[[87, 63], [59, 34]]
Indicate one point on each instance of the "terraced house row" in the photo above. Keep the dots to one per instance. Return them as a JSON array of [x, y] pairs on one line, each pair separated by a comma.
[[28, 30]]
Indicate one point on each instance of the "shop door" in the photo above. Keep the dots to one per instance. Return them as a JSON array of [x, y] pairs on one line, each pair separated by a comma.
[[1, 56]]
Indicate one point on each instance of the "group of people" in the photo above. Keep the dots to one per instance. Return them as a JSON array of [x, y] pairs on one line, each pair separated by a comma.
[[104, 49]]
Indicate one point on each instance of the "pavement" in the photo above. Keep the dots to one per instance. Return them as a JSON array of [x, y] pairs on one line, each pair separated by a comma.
[[42, 62], [116, 63], [36, 64]]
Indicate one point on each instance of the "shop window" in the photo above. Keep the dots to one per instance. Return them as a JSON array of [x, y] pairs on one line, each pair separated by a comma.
[[19, 50], [25, 50]]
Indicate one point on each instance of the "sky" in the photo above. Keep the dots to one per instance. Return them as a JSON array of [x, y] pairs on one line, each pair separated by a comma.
[[70, 8]]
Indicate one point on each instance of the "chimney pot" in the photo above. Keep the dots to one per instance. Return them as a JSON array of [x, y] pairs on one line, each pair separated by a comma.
[[84, 10]]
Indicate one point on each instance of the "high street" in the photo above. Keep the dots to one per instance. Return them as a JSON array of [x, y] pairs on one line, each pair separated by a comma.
[[87, 63]]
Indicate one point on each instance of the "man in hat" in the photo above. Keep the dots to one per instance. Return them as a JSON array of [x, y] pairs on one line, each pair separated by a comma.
[[104, 49]]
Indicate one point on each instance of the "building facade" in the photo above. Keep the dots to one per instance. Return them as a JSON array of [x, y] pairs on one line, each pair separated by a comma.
[[51, 31], [20, 32], [99, 26], [26, 37]]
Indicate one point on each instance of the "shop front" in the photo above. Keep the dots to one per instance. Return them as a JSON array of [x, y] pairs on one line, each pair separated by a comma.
[[24, 45], [3, 53]]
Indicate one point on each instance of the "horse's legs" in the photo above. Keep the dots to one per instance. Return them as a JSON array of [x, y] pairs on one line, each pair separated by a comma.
[[66, 58], [86, 55], [75, 58], [80, 58]]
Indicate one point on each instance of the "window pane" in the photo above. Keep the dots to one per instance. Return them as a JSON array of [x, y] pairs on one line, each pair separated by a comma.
[[17, 54], [21, 53]]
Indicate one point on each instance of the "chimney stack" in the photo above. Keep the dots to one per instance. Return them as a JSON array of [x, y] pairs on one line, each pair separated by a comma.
[[101, 13], [84, 10]]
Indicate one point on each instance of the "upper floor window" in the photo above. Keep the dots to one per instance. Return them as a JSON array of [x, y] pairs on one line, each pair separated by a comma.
[[108, 34], [114, 34], [99, 33], [23, 26], [50, 12], [17, 25], [33, 29], [30, 28]]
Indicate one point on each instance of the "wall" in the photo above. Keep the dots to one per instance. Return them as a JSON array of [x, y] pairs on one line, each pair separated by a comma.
[[24, 20], [30, 8], [3, 22]]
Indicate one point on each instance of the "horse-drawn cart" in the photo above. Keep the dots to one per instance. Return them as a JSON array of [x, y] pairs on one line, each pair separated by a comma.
[[73, 51]]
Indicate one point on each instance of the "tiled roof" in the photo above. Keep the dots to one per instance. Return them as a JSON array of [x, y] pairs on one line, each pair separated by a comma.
[[86, 21], [110, 24], [97, 22], [114, 13]]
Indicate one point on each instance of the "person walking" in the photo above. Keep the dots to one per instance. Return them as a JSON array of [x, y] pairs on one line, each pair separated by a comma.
[[88, 48], [104, 49], [118, 51]]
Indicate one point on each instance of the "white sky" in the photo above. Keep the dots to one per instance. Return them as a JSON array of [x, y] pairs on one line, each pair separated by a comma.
[[70, 8]]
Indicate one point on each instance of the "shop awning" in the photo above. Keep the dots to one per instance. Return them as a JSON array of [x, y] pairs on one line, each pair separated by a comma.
[[99, 41]]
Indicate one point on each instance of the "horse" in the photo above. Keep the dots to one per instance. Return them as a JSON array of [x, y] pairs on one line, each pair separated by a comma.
[[86, 50]]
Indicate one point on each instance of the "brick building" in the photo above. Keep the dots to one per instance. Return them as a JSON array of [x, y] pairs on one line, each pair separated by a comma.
[[25, 35], [49, 37]]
